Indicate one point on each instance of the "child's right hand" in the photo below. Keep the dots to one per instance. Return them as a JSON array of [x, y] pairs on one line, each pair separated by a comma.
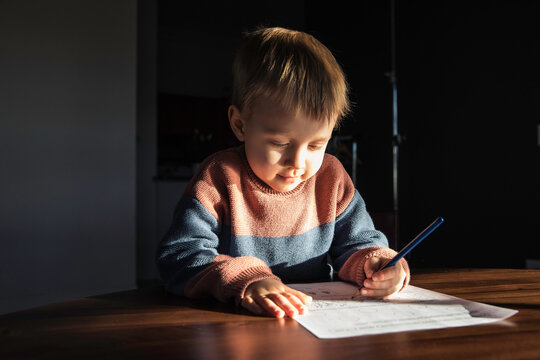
[[272, 297]]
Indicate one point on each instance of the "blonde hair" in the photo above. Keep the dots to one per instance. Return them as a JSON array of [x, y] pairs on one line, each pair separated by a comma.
[[292, 68]]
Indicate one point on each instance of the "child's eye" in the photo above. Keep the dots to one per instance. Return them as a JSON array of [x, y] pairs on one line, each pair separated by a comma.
[[277, 144], [316, 147]]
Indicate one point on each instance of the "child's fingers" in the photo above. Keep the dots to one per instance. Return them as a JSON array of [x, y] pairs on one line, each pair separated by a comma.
[[382, 288], [388, 273], [380, 284], [282, 300], [280, 305], [304, 299], [384, 283], [274, 298], [263, 305], [372, 265], [381, 293], [269, 306], [251, 305], [296, 302]]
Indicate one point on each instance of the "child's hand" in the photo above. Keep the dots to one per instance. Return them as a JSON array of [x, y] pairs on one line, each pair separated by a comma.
[[382, 283], [272, 297]]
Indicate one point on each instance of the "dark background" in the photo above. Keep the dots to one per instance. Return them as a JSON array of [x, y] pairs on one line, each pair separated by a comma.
[[467, 79], [106, 107]]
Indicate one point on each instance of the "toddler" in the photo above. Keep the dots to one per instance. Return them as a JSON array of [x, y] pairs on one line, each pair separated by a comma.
[[277, 209]]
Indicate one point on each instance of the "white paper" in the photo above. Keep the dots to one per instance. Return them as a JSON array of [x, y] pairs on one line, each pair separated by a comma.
[[333, 314]]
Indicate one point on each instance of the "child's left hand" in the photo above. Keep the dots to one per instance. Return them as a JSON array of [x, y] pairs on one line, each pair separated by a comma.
[[384, 283]]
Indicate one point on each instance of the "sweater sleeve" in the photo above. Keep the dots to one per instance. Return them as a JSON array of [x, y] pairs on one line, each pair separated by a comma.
[[356, 240], [228, 277], [353, 269], [354, 231], [190, 265]]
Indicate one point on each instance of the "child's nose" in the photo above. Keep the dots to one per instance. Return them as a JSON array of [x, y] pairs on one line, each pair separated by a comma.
[[297, 158]]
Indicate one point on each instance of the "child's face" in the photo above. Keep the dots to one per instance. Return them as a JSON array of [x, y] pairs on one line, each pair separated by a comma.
[[283, 148]]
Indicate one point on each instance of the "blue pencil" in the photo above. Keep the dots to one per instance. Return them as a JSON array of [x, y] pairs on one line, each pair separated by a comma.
[[407, 249]]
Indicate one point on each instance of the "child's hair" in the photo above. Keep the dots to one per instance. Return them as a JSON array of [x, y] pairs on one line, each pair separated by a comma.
[[292, 68]]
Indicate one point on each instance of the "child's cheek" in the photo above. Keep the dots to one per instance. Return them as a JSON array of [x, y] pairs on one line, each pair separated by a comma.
[[316, 162], [273, 157]]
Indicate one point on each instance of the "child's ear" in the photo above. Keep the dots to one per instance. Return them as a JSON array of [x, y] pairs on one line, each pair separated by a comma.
[[237, 122]]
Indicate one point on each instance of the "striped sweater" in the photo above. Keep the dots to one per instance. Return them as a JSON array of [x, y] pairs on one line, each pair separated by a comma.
[[230, 229]]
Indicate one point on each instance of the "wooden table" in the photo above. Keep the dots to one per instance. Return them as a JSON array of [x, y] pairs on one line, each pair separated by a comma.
[[147, 323]]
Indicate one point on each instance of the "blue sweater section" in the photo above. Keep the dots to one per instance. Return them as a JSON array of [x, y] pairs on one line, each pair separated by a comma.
[[196, 238]]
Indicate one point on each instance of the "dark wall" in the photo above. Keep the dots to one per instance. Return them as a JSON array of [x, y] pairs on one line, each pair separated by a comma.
[[67, 150], [469, 81], [360, 39]]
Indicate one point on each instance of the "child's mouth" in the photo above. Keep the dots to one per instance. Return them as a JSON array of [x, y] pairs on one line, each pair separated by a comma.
[[289, 179]]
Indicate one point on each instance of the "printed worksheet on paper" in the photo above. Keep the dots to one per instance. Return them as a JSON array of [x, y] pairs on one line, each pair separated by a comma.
[[334, 314]]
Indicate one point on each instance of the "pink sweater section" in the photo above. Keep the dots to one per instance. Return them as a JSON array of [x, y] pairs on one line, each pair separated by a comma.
[[228, 189]]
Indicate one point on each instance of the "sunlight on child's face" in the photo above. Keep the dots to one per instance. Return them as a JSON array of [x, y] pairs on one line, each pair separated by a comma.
[[284, 148]]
